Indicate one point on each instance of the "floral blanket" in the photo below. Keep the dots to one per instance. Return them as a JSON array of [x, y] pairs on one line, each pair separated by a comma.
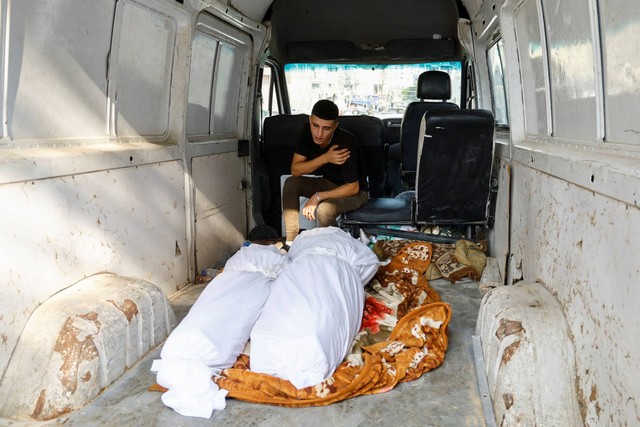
[[403, 335]]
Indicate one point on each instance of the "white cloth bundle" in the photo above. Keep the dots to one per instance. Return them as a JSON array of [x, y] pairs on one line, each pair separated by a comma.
[[336, 242], [214, 332], [315, 308]]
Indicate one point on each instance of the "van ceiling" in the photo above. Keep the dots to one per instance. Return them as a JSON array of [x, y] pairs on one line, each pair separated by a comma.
[[368, 31]]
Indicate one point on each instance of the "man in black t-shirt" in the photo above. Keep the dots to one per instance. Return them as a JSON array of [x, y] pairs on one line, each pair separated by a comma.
[[326, 150]]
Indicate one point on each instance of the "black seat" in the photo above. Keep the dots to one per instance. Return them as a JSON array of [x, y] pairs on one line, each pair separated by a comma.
[[432, 86], [369, 131], [455, 161], [280, 136], [453, 182]]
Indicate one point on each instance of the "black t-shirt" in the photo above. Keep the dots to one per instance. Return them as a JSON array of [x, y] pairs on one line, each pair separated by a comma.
[[350, 171]]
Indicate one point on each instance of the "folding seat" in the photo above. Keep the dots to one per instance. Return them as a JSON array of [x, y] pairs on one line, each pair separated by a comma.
[[453, 182]]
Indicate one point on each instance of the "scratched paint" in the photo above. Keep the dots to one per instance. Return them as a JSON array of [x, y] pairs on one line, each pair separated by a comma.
[[67, 228], [581, 245]]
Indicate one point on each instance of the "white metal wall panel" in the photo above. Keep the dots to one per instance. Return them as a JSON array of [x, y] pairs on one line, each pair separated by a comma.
[[220, 208], [141, 73], [58, 231], [56, 87], [532, 68], [620, 27], [572, 69], [581, 245]]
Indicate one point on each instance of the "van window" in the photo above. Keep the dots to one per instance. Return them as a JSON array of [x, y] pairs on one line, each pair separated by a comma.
[[572, 70], [218, 56], [358, 89], [532, 69], [143, 65], [497, 77], [271, 105]]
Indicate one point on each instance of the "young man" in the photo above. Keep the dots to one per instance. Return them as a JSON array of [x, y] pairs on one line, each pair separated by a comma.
[[326, 150]]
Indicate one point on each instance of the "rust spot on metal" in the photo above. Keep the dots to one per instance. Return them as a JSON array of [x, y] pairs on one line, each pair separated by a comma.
[[509, 352], [43, 413], [129, 308], [75, 345], [508, 327], [508, 400], [39, 404]]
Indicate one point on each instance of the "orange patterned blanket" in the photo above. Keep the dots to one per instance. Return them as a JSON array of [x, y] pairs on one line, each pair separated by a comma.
[[403, 335]]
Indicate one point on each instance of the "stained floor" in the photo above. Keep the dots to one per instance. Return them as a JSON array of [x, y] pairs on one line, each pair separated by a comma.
[[446, 396]]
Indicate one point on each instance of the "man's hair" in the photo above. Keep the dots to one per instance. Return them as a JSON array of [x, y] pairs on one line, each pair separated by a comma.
[[325, 110]]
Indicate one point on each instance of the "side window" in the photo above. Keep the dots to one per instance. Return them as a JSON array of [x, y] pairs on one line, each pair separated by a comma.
[[532, 67], [271, 102], [495, 59], [142, 72], [218, 57]]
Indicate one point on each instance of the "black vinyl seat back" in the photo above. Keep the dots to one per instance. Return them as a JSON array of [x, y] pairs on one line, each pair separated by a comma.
[[454, 172], [453, 182], [280, 136], [432, 85], [369, 131]]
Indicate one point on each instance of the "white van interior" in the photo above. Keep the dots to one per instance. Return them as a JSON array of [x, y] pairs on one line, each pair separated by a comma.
[[143, 144]]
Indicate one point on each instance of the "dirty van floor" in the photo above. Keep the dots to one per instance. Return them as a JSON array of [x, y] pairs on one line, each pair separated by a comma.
[[446, 396]]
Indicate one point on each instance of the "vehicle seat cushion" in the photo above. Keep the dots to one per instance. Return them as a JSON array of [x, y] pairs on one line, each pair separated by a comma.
[[381, 210]]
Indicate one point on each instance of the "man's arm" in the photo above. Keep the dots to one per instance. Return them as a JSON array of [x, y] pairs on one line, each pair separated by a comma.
[[345, 190], [301, 166]]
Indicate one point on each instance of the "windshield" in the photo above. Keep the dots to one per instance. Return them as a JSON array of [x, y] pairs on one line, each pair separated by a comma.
[[376, 90]]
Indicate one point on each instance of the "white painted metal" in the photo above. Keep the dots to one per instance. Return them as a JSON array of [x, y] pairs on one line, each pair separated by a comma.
[[574, 199], [579, 244], [254, 9], [499, 234], [55, 88], [528, 356], [220, 209], [58, 231], [79, 342]]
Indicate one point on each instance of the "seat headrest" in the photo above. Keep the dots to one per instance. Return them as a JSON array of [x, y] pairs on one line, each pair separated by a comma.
[[434, 85]]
